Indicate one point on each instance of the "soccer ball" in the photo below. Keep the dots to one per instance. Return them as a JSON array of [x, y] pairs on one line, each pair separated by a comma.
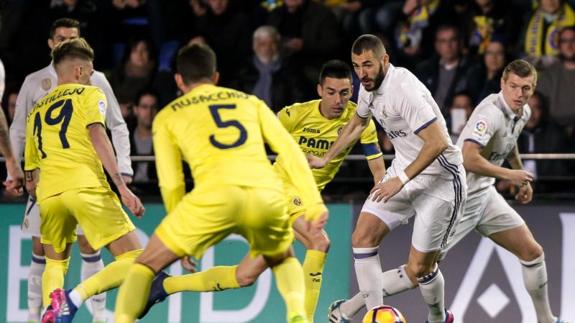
[[383, 314]]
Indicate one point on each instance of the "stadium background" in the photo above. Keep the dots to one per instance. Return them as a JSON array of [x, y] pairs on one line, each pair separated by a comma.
[[492, 295]]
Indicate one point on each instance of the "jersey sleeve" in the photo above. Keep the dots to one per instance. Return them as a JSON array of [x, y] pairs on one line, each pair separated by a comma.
[[18, 125], [295, 163], [93, 109], [481, 126], [118, 128], [287, 118], [363, 103], [415, 109], [168, 163], [31, 158], [369, 142]]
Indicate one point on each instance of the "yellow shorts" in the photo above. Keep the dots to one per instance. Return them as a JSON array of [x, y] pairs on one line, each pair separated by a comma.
[[294, 203], [207, 215], [97, 210]]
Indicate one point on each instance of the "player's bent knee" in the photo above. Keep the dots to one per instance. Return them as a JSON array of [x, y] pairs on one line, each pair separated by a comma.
[[532, 252], [416, 269], [364, 239], [85, 246], [245, 278]]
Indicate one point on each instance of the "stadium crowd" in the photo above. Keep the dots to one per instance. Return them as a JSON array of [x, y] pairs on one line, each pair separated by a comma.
[[274, 49]]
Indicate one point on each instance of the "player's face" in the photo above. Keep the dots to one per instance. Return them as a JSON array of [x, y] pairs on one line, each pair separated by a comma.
[[145, 111], [369, 69], [61, 34], [517, 90], [335, 94]]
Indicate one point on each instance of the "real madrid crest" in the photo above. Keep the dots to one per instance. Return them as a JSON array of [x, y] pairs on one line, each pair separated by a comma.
[[46, 84]]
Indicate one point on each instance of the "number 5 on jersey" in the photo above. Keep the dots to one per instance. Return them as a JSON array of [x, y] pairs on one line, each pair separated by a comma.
[[215, 111]]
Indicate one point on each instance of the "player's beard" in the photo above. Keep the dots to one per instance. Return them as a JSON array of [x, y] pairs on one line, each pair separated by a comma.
[[378, 79]]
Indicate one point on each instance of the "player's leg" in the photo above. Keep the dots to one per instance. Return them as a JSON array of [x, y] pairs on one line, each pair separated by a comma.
[[31, 225], [91, 264], [437, 214], [112, 228], [506, 228], [317, 245], [133, 293]]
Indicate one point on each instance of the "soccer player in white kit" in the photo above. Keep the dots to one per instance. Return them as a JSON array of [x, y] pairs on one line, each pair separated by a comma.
[[36, 86], [426, 179], [490, 137]]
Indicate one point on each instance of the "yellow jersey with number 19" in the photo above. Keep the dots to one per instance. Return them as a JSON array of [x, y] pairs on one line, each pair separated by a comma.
[[58, 141], [221, 133]]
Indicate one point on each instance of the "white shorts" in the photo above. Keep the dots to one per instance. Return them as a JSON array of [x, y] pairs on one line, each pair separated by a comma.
[[31, 222], [437, 203], [487, 212]]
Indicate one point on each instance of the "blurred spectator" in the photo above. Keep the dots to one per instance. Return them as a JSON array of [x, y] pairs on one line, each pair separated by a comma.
[[137, 72], [444, 74], [459, 111], [423, 17], [310, 35], [491, 20], [227, 32], [355, 15], [2, 79], [541, 32], [484, 78], [556, 81], [141, 138], [267, 75], [10, 103], [541, 135]]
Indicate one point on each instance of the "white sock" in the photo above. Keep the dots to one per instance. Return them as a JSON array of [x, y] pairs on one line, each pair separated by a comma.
[[91, 264], [75, 298], [35, 287], [432, 289], [395, 281], [535, 280], [368, 272]]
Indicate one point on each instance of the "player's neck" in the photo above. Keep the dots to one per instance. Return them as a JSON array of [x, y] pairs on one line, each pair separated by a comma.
[[191, 86]]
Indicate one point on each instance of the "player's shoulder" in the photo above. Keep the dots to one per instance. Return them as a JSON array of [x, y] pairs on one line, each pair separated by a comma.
[[489, 107], [39, 75], [300, 109]]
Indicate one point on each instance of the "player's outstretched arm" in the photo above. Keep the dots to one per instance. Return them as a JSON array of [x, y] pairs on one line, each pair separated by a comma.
[[475, 163], [349, 135], [105, 152], [14, 184]]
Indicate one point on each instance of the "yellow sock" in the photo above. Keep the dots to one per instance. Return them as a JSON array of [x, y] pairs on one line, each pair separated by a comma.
[[53, 277], [133, 293], [110, 277], [214, 279], [289, 280], [313, 272]]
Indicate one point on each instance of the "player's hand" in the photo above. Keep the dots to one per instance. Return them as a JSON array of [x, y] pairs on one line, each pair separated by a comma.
[[132, 202], [385, 190], [525, 194], [315, 162], [189, 264], [15, 181], [519, 176]]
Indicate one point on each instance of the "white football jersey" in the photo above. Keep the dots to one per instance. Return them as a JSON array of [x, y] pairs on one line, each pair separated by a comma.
[[403, 106], [38, 84], [495, 127]]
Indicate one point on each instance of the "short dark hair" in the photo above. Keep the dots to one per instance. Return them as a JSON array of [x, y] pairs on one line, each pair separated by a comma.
[[521, 68], [445, 27], [368, 42], [196, 62], [564, 29], [72, 48], [144, 92], [66, 23], [335, 69]]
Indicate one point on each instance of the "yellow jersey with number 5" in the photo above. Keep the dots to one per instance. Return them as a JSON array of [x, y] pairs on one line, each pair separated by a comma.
[[58, 141], [221, 133]]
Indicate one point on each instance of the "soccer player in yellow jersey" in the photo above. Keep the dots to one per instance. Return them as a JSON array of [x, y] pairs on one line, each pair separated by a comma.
[[315, 125], [67, 145], [221, 133]]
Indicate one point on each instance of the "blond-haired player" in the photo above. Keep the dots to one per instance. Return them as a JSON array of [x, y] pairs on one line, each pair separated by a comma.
[[67, 147]]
